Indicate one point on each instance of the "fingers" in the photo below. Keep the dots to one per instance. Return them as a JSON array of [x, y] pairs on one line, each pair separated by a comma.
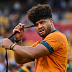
[[21, 26], [14, 30], [6, 43], [2, 43], [18, 28], [2, 46]]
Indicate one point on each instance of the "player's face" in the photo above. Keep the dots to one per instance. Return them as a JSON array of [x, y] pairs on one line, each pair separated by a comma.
[[43, 27]]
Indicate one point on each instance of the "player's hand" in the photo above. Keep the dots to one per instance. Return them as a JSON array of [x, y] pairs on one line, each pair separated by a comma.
[[6, 43], [20, 31]]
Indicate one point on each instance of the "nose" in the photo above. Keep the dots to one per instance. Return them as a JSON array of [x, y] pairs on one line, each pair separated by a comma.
[[39, 25]]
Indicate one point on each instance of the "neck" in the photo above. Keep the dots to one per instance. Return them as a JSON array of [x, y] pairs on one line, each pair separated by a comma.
[[53, 29]]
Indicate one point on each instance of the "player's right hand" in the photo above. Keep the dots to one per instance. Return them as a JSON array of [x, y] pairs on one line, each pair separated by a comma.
[[20, 30]]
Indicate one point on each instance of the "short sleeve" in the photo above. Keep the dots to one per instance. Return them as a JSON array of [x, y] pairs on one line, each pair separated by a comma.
[[48, 46], [52, 42]]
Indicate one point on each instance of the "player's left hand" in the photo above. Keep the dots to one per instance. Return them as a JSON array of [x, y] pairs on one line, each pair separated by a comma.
[[6, 43]]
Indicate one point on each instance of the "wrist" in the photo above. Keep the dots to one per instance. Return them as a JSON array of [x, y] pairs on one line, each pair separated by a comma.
[[17, 40], [12, 46]]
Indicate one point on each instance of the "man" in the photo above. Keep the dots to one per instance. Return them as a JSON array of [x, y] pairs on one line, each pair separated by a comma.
[[50, 53]]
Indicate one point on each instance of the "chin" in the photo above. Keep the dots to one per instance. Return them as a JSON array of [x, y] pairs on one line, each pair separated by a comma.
[[43, 36]]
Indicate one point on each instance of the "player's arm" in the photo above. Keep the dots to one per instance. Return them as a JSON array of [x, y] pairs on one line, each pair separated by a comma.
[[30, 53], [25, 54], [19, 59], [42, 49]]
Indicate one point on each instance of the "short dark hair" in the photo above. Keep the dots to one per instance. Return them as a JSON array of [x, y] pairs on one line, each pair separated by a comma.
[[39, 12]]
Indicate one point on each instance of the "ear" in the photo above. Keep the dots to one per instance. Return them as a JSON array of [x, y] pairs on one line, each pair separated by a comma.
[[51, 21]]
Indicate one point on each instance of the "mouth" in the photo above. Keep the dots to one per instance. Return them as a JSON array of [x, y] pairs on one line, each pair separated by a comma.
[[41, 31]]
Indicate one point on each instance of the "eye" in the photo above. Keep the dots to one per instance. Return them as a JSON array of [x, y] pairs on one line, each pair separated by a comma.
[[42, 22], [36, 24]]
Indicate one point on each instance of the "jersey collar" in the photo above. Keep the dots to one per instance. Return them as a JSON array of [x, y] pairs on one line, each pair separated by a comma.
[[51, 32]]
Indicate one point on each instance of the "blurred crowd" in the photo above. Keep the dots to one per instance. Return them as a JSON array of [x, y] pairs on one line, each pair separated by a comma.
[[14, 12]]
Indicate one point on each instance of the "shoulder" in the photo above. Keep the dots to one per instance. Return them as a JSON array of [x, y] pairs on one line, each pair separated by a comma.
[[56, 39], [56, 36]]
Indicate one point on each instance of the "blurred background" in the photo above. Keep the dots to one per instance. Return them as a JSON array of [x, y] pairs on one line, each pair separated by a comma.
[[13, 12]]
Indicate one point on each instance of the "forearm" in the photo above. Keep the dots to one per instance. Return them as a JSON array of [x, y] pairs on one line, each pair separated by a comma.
[[19, 59]]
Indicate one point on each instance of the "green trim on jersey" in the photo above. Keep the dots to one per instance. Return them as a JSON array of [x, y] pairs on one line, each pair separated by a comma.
[[47, 46], [21, 70]]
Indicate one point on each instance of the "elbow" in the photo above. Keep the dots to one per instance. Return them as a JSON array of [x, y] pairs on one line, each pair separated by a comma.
[[19, 62], [31, 57]]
